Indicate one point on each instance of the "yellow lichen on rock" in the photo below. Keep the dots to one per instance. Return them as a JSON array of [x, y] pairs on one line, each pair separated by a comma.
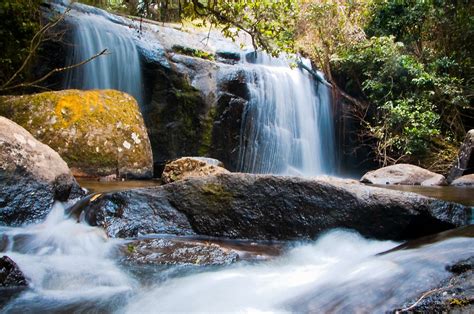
[[98, 132], [189, 167]]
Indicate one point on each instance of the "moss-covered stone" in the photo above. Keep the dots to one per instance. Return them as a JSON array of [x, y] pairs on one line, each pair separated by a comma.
[[98, 132], [192, 52]]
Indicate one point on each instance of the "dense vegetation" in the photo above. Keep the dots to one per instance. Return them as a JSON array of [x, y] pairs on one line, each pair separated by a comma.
[[404, 67], [19, 22]]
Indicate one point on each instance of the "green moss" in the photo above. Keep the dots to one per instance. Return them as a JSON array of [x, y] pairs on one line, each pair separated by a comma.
[[193, 52], [130, 248], [217, 194], [87, 128], [458, 302], [206, 134]]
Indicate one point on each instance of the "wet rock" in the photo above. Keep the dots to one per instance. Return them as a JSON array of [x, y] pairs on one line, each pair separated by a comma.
[[32, 177], [467, 180], [454, 295], [12, 280], [230, 57], [178, 252], [269, 207], [189, 167], [464, 163], [10, 274], [404, 174], [98, 133], [132, 213]]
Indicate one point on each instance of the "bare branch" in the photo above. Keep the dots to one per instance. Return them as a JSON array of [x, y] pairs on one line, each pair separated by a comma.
[[34, 44], [56, 70]]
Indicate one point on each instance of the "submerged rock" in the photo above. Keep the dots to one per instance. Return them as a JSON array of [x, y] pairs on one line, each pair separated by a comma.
[[404, 174], [454, 295], [98, 133], [190, 167], [467, 180], [273, 207], [464, 163], [178, 252], [32, 177]]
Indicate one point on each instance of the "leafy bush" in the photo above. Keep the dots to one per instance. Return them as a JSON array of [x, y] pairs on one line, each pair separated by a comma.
[[405, 98]]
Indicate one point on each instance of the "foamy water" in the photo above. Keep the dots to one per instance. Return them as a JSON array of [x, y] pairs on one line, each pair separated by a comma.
[[73, 267]]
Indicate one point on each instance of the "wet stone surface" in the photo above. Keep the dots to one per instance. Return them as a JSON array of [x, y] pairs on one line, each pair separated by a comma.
[[454, 295], [177, 252]]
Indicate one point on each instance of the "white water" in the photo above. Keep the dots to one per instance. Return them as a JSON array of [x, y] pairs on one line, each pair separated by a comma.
[[68, 264], [339, 273], [287, 126], [72, 268], [119, 69]]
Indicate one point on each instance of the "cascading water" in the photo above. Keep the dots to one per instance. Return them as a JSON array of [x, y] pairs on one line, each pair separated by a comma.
[[118, 69], [68, 266], [287, 124], [72, 267]]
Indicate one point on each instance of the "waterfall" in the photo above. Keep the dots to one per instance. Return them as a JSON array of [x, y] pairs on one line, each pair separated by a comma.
[[119, 69], [287, 125]]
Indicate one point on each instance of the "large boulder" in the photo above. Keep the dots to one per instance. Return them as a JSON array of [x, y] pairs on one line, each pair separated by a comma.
[[464, 163], [403, 174], [32, 176], [98, 132], [190, 167], [273, 207], [467, 180]]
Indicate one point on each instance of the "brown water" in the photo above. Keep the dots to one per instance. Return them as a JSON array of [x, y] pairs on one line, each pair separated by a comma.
[[461, 195], [113, 186]]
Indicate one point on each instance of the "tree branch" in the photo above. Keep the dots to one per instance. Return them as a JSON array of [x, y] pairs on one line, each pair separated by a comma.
[[34, 44], [56, 70]]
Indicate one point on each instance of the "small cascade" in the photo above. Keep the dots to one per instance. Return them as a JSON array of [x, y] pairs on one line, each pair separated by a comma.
[[287, 125], [69, 266], [119, 69]]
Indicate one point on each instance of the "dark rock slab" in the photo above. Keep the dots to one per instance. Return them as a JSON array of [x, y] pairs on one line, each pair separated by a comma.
[[265, 207], [132, 213]]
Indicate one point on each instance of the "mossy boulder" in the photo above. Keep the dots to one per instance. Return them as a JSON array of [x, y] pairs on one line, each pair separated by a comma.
[[189, 167], [97, 132]]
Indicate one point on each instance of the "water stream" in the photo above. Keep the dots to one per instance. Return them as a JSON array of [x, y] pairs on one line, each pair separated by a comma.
[[118, 69], [74, 267], [287, 126]]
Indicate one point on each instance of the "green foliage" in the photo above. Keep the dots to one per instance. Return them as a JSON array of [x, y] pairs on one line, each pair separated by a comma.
[[270, 23], [19, 22], [406, 99]]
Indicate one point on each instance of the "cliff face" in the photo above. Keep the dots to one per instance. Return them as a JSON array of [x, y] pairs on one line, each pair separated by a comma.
[[195, 93], [194, 90]]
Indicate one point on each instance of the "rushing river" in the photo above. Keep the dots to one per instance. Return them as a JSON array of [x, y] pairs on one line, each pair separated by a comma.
[[74, 267]]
